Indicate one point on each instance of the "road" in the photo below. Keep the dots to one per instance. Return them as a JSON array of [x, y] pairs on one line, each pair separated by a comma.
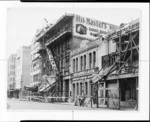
[[14, 104]]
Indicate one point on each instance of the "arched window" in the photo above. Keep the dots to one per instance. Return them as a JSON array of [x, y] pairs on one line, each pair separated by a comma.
[[94, 59], [73, 65], [84, 61], [76, 64], [90, 60], [81, 63]]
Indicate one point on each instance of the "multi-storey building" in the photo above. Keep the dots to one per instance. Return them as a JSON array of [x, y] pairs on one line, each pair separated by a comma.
[[84, 64], [11, 74], [61, 39], [23, 67], [119, 67], [36, 63]]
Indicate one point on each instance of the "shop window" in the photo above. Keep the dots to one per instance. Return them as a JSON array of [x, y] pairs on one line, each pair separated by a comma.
[[86, 88], [128, 91], [80, 88], [77, 89]]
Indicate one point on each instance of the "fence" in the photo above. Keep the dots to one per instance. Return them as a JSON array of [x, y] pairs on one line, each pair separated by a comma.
[[44, 99]]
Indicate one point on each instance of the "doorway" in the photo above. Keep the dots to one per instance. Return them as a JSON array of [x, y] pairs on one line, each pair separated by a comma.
[[128, 92], [66, 88]]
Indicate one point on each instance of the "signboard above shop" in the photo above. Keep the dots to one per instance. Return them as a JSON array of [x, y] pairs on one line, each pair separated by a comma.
[[89, 28], [85, 72]]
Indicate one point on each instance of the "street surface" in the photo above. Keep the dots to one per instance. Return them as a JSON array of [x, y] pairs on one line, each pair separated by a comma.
[[15, 104]]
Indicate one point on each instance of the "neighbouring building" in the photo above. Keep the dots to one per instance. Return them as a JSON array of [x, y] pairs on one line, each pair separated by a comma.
[[36, 67], [119, 67], [23, 61], [11, 69], [59, 40], [84, 64]]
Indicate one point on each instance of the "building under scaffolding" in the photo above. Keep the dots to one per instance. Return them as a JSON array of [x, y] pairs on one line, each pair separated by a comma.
[[116, 84], [56, 42]]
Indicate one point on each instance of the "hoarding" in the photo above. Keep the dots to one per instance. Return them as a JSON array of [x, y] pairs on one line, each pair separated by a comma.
[[89, 28]]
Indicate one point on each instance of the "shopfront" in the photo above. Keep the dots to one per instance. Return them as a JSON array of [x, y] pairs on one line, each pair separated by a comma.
[[81, 82], [125, 90]]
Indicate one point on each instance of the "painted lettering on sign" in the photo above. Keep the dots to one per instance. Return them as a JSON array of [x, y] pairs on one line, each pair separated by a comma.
[[123, 76], [91, 22], [85, 72], [89, 28]]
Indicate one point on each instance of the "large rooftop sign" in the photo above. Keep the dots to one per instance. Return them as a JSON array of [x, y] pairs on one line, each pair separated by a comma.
[[89, 28]]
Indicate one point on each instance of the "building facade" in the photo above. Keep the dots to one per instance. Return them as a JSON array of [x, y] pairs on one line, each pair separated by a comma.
[[36, 64], [11, 75], [84, 64], [64, 37], [120, 67], [23, 61]]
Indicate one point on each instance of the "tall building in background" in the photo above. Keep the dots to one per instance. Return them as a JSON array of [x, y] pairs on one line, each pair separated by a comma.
[[23, 61], [11, 74], [36, 64]]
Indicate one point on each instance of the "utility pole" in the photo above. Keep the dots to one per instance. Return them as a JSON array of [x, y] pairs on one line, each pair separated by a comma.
[[120, 51], [131, 42], [120, 48]]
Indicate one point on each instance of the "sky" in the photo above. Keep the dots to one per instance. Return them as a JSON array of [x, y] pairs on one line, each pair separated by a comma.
[[22, 23]]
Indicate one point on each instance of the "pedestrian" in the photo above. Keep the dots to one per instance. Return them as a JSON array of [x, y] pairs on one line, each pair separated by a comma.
[[77, 101], [82, 99]]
